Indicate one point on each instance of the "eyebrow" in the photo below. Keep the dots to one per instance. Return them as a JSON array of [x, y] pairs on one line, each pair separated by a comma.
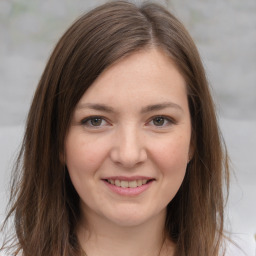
[[95, 106], [161, 106], [149, 108]]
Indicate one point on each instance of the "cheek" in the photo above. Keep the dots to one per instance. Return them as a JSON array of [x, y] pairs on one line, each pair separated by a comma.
[[171, 161], [83, 160], [170, 158], [83, 156], [172, 152]]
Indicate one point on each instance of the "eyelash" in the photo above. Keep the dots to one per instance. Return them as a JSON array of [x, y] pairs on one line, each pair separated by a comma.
[[167, 121], [85, 122]]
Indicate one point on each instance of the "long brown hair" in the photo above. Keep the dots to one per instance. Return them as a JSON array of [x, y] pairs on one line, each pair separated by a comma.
[[44, 203]]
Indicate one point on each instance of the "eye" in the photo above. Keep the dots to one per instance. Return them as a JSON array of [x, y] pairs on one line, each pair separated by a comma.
[[161, 121], [94, 121]]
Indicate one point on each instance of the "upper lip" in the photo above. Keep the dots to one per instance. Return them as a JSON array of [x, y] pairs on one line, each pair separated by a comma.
[[125, 178]]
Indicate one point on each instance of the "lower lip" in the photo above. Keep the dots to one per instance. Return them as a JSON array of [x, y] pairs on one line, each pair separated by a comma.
[[129, 191]]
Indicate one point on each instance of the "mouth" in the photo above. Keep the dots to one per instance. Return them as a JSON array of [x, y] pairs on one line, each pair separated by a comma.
[[128, 183]]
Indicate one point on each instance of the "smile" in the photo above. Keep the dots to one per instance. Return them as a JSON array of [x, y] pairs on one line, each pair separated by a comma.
[[128, 184]]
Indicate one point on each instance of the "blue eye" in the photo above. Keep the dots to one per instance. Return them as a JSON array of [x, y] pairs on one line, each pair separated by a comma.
[[94, 121]]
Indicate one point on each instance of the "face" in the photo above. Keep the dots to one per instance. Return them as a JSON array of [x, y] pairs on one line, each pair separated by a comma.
[[129, 141]]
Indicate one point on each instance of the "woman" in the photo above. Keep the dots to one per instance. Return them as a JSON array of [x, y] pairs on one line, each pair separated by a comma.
[[122, 154]]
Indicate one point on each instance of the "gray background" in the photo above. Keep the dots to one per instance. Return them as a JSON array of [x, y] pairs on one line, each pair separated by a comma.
[[225, 33]]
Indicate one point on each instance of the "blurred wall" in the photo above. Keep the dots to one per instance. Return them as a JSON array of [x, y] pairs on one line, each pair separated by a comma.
[[225, 33]]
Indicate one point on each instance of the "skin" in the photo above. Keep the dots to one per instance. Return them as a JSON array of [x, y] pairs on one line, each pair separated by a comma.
[[134, 120]]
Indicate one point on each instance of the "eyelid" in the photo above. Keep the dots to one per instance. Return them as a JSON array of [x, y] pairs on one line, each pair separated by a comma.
[[170, 120], [84, 122]]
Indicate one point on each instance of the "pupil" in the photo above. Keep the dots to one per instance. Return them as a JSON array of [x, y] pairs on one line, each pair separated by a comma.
[[96, 121], [158, 121]]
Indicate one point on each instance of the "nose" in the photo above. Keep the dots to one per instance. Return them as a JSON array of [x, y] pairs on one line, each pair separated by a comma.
[[128, 148]]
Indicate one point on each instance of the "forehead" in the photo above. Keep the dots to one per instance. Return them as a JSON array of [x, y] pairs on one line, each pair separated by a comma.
[[145, 76]]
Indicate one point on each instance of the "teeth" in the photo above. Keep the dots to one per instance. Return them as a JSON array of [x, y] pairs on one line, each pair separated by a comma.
[[124, 184], [133, 184], [139, 182], [128, 184], [144, 182], [118, 183]]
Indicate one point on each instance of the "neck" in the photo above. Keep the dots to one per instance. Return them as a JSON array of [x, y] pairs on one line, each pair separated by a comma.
[[100, 237]]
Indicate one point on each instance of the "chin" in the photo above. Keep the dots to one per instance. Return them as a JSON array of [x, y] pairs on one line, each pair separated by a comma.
[[131, 218]]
